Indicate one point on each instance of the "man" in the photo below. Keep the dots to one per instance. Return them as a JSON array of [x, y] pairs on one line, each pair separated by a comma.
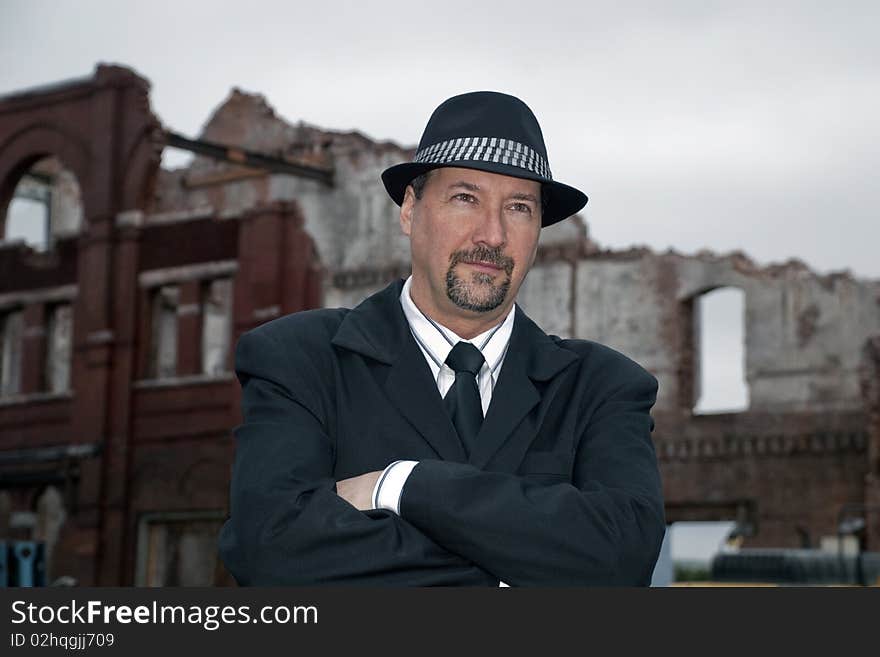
[[434, 435]]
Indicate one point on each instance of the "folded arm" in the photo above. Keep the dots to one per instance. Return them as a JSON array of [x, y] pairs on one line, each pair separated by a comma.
[[287, 524], [605, 528]]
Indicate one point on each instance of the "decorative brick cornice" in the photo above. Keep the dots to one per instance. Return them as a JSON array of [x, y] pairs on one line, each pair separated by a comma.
[[199, 271], [751, 446]]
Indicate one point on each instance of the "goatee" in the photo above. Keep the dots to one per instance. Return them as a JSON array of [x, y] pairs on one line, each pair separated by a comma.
[[481, 293]]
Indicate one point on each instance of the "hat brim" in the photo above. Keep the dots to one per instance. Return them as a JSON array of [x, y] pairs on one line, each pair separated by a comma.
[[562, 200]]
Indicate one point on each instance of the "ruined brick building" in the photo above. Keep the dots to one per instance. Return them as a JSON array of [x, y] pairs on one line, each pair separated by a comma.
[[116, 331]]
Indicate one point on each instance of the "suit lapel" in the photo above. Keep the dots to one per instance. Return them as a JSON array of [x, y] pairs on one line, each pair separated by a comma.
[[377, 328], [513, 398], [411, 389], [531, 356]]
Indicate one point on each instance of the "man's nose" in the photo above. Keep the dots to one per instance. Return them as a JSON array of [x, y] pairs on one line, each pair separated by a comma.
[[491, 229]]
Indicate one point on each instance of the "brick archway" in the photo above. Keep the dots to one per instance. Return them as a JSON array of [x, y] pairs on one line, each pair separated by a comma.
[[19, 151], [100, 127]]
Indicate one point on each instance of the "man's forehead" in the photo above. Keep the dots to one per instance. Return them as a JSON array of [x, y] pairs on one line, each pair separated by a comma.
[[450, 176]]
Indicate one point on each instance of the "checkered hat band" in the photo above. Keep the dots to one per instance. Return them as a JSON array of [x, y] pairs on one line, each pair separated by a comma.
[[485, 149]]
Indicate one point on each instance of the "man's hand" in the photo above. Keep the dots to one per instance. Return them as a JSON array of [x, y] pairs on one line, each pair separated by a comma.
[[358, 491]]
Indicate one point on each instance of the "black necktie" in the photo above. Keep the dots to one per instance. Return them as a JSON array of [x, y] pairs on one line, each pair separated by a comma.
[[463, 399]]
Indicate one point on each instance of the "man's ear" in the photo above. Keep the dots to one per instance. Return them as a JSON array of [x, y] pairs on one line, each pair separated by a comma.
[[406, 210]]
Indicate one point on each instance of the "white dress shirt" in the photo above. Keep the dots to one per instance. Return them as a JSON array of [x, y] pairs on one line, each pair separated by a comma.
[[436, 342]]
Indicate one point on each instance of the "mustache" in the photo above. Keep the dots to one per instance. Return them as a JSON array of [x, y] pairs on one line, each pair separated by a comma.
[[483, 254]]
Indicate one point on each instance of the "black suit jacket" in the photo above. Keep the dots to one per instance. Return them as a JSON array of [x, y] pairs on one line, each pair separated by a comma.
[[562, 487]]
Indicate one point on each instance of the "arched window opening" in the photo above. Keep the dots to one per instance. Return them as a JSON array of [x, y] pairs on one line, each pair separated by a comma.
[[719, 336], [46, 205]]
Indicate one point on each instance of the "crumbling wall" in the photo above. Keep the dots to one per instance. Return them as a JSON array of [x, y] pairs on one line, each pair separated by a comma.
[[804, 331], [352, 223]]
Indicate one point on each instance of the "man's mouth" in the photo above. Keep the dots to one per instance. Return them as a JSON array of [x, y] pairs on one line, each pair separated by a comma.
[[483, 265]]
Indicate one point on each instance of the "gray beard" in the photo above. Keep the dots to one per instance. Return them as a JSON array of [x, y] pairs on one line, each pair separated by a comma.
[[464, 294]]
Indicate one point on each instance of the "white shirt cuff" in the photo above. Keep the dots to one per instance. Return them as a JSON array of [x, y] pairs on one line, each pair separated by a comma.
[[389, 487]]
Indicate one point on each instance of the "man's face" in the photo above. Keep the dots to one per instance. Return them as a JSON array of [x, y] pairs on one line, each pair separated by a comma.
[[474, 236]]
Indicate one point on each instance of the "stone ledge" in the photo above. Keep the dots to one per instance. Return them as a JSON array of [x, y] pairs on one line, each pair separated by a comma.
[[36, 397], [173, 381]]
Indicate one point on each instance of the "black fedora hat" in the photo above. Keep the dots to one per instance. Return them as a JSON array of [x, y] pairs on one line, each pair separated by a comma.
[[493, 132]]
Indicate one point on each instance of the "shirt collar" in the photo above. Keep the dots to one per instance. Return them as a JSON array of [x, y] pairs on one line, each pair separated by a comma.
[[492, 342]]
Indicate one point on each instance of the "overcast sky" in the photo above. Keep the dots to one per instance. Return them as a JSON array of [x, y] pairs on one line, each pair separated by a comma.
[[691, 125]]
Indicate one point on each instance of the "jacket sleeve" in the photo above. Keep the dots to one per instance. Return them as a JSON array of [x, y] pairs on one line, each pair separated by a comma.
[[603, 528], [287, 525]]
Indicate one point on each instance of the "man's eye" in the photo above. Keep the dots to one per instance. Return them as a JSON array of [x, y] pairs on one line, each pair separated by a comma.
[[467, 198], [522, 207]]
